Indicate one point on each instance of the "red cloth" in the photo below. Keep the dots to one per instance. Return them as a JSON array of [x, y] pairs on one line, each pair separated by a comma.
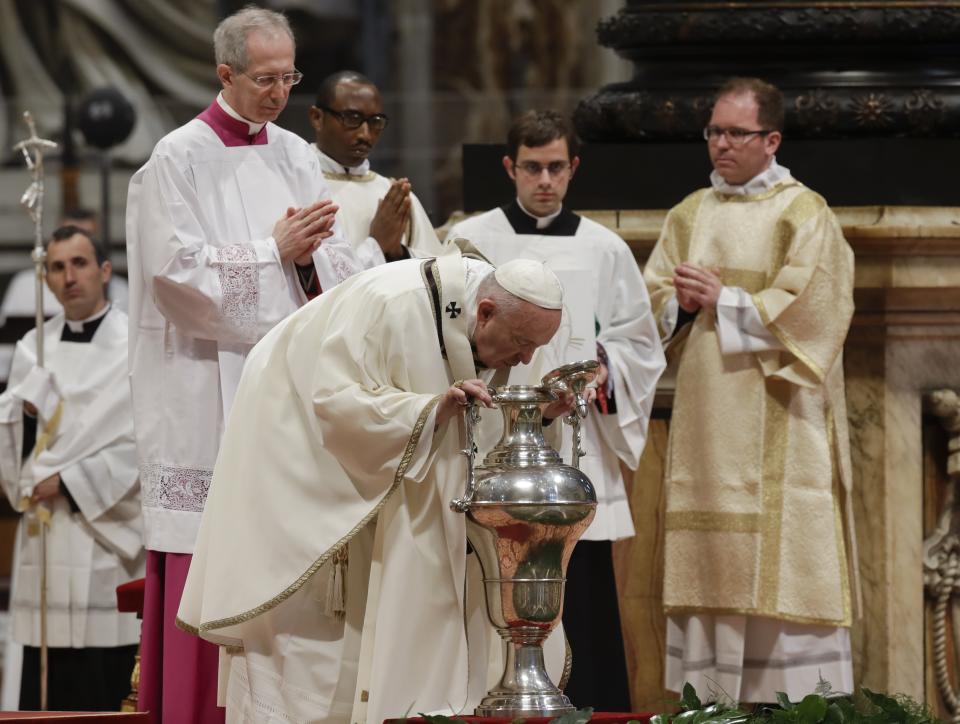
[[64, 717], [130, 597], [178, 672], [601, 716]]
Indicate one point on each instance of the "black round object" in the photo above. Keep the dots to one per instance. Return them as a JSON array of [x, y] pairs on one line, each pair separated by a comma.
[[105, 118]]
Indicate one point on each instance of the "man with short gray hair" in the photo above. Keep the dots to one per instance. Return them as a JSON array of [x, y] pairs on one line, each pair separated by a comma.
[[230, 228]]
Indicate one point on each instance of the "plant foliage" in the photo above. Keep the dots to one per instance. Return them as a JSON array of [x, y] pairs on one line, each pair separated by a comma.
[[821, 707]]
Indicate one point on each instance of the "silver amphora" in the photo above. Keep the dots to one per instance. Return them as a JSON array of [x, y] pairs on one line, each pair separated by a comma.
[[525, 512]]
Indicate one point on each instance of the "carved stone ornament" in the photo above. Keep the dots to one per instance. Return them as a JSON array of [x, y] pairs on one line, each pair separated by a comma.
[[941, 556], [847, 69]]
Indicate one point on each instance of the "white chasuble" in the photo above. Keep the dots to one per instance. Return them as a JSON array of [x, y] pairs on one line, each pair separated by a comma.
[[331, 452], [89, 442], [758, 470], [358, 193], [605, 301], [206, 283]]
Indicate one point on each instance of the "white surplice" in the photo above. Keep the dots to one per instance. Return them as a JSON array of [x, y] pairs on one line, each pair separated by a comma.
[[206, 283], [358, 191], [90, 552], [605, 302], [331, 449]]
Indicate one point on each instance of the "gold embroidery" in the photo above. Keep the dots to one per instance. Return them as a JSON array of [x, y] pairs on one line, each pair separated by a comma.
[[49, 430], [684, 217], [333, 176], [763, 196], [333, 550], [184, 626], [786, 341], [703, 520], [775, 422], [747, 279], [723, 610], [838, 520], [803, 207], [567, 663]]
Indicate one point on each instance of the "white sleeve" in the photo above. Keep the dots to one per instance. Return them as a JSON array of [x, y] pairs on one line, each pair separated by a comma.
[[369, 253], [11, 427], [336, 260], [668, 317], [739, 326], [224, 291]]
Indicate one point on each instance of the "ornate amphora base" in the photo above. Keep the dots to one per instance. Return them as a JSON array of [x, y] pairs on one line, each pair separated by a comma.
[[525, 512]]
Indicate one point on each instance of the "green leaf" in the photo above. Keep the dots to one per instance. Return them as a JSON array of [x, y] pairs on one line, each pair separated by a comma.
[[812, 709], [784, 701], [579, 716], [437, 718], [835, 715], [887, 705], [690, 700]]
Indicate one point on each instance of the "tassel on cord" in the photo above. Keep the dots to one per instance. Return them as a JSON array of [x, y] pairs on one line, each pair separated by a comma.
[[336, 603]]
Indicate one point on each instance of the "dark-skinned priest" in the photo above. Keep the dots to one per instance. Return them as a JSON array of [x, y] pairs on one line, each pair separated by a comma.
[[328, 559]]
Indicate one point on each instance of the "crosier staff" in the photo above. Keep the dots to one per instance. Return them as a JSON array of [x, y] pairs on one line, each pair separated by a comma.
[[33, 149]]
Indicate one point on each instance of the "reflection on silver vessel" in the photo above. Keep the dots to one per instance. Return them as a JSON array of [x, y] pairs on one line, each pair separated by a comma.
[[525, 512]]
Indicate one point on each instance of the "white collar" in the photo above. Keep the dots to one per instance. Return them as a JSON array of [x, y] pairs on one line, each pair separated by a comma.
[[763, 181], [542, 221], [330, 166], [255, 128], [76, 325]]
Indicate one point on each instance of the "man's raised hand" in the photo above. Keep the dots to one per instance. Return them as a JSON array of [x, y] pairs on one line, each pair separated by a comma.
[[300, 232], [392, 218]]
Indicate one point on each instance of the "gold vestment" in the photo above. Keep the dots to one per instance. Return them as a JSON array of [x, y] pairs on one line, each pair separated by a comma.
[[758, 471]]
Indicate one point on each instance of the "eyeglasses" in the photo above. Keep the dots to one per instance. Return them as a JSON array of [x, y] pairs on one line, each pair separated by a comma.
[[736, 137], [268, 81], [354, 119], [535, 169]]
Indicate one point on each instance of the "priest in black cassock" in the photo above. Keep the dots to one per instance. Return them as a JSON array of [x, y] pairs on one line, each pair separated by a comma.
[[606, 316]]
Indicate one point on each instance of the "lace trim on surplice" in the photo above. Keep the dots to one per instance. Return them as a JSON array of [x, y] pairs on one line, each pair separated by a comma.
[[172, 488], [341, 266], [240, 284]]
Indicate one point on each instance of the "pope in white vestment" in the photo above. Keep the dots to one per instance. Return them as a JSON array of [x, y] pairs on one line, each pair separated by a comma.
[[94, 539], [328, 556]]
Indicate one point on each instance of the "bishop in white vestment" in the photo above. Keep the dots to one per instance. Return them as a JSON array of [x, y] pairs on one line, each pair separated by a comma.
[[67, 429], [329, 560]]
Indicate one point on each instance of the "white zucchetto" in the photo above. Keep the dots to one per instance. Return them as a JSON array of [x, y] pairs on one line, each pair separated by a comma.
[[531, 281]]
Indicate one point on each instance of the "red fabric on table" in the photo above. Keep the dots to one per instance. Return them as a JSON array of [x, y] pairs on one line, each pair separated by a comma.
[[606, 717], [130, 597], [80, 717]]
